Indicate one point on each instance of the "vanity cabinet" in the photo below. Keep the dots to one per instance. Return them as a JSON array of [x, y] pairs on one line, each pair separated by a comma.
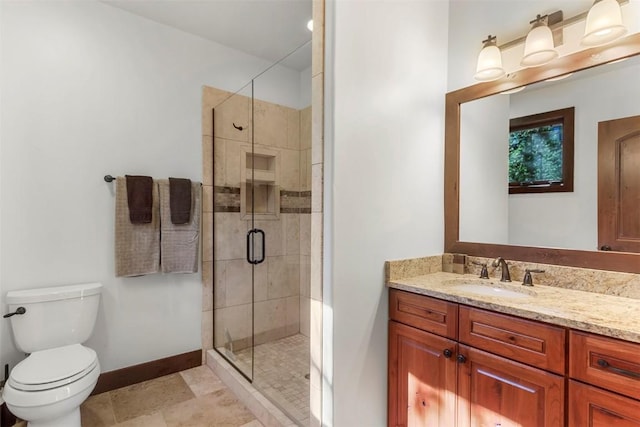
[[422, 375], [604, 389], [452, 365], [422, 368]]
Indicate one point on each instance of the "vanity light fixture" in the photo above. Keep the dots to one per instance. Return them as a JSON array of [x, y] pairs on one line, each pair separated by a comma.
[[604, 23], [310, 25], [538, 47], [489, 66]]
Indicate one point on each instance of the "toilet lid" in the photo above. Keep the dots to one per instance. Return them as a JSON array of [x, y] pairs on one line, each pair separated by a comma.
[[52, 368]]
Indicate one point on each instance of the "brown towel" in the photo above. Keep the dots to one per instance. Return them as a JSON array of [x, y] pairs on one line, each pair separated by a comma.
[[137, 246], [180, 200], [140, 198], [179, 245]]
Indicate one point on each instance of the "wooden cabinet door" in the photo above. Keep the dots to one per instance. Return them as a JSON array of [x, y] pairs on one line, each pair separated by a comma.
[[593, 407], [422, 379], [494, 391], [619, 184]]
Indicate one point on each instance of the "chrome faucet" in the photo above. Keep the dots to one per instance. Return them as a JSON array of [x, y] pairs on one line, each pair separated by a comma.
[[504, 269]]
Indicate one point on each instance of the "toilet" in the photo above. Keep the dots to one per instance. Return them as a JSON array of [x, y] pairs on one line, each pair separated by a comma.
[[47, 388]]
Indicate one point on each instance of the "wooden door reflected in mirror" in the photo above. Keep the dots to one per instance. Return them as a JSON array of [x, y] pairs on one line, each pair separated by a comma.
[[619, 185]]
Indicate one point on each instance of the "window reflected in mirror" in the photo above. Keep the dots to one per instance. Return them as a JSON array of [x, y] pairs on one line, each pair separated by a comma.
[[541, 152]]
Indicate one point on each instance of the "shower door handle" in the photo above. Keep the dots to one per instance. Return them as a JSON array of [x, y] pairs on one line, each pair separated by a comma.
[[249, 246], [257, 230], [250, 258]]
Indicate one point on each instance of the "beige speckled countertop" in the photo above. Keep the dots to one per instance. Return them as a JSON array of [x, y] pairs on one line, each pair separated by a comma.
[[613, 316]]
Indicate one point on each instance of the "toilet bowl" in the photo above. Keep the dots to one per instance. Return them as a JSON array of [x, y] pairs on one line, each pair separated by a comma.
[[47, 388]]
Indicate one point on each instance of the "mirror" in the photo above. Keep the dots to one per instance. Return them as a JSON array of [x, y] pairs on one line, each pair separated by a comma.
[[481, 218], [569, 220]]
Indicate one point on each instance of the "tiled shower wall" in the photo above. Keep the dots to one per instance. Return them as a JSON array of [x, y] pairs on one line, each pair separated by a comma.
[[282, 281]]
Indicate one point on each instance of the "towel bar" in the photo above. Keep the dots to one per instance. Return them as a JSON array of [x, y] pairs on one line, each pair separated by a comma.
[[109, 178]]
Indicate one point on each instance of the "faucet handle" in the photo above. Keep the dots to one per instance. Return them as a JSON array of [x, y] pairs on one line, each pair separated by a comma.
[[484, 273], [527, 279]]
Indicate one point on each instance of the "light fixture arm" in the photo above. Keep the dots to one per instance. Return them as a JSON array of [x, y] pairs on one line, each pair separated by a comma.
[[489, 41], [540, 20]]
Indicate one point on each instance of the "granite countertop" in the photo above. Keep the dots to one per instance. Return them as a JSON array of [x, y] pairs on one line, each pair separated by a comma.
[[608, 315]]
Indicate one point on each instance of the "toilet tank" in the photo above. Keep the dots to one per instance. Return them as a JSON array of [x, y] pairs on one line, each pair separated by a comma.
[[55, 316]]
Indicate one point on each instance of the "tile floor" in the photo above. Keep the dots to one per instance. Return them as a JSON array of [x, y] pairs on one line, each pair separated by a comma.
[[191, 398]]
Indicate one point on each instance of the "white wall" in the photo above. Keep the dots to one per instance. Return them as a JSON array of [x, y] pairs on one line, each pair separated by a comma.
[[385, 179], [89, 90], [570, 220], [484, 160]]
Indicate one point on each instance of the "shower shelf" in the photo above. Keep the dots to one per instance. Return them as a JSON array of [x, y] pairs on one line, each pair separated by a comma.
[[260, 176], [260, 186]]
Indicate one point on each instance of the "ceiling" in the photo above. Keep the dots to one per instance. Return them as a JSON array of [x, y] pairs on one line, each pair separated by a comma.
[[268, 29]]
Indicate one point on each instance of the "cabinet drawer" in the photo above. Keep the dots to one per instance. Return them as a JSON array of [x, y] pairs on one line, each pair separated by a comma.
[[605, 362], [591, 406], [426, 313], [526, 341]]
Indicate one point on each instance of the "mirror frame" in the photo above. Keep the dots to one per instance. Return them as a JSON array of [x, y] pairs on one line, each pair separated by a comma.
[[588, 58]]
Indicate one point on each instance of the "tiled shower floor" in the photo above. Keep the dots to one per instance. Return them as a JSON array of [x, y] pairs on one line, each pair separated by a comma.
[[279, 373]]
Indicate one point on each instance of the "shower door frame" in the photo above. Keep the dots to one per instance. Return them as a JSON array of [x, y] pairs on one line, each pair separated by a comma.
[[249, 253]]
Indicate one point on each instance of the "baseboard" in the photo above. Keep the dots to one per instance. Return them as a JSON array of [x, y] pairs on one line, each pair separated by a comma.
[[147, 371]]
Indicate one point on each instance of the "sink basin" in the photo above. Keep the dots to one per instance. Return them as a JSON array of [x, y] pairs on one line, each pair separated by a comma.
[[492, 290]]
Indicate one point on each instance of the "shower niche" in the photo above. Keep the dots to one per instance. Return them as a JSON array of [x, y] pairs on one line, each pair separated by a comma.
[[260, 184]]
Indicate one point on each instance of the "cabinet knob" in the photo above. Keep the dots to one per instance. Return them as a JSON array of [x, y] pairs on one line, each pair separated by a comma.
[[447, 353], [461, 358]]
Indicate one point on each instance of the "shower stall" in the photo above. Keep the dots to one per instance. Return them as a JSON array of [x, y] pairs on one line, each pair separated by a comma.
[[261, 235]]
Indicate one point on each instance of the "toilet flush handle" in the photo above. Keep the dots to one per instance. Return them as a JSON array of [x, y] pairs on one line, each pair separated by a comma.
[[19, 310]]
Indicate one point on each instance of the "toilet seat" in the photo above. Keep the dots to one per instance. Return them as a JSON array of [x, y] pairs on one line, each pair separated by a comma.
[[53, 368]]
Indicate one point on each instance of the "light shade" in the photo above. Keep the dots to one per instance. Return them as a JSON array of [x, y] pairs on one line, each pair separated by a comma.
[[604, 24], [489, 65], [538, 47]]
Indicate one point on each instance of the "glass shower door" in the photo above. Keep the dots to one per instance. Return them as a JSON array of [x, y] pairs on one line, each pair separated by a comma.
[[262, 233], [238, 248], [282, 168]]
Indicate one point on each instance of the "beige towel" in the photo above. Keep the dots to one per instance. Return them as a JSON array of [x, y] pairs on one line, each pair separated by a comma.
[[179, 242], [137, 245]]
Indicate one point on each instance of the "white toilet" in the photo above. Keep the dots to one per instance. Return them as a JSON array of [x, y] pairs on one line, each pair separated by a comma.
[[47, 387]]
